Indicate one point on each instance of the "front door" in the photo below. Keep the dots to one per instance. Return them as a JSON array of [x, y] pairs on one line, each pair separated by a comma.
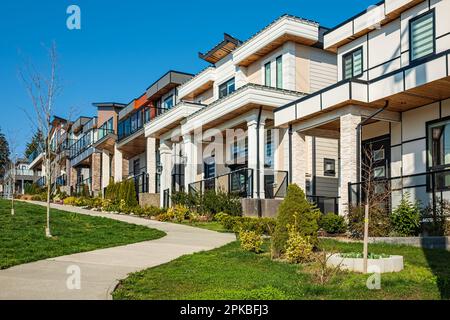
[[376, 159]]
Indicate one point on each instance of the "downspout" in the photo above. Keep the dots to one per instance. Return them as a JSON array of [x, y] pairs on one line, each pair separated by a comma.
[[258, 164], [290, 154], [358, 139]]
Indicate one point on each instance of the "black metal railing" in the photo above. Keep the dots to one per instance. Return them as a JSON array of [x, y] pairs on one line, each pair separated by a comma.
[[275, 184], [238, 182], [61, 180], [84, 187], [166, 198], [141, 181], [42, 181], [325, 204], [429, 189]]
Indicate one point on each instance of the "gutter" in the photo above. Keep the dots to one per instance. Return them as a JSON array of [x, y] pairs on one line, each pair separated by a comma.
[[258, 163]]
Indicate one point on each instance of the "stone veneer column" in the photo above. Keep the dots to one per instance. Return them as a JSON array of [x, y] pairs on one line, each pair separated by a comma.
[[299, 163], [151, 164], [253, 133], [96, 173], [348, 149], [165, 150]]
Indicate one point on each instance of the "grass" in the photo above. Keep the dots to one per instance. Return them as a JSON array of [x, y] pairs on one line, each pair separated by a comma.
[[22, 236], [230, 273]]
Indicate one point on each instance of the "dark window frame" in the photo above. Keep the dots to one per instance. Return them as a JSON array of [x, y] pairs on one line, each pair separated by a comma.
[[269, 65], [329, 173], [226, 85], [411, 21], [277, 78], [350, 54]]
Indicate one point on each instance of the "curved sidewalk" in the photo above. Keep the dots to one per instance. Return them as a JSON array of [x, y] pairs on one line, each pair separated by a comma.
[[101, 269]]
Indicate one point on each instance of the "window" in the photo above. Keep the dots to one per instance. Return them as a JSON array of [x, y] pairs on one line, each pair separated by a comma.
[[353, 64], [168, 103], [439, 144], [329, 167], [226, 88], [378, 155], [269, 150], [267, 75], [210, 167], [279, 63], [421, 36]]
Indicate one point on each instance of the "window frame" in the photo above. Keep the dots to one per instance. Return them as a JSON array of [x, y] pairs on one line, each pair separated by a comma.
[[268, 69], [328, 173], [227, 85], [410, 23], [350, 54], [171, 97], [279, 78]]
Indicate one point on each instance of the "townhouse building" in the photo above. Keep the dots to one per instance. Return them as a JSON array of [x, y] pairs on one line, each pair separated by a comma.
[[390, 106], [16, 178], [221, 134]]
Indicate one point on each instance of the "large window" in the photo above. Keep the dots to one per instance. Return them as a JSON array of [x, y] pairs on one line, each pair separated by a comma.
[[439, 144], [226, 88], [329, 167], [268, 161], [267, 75], [422, 36], [168, 103], [353, 64], [279, 64]]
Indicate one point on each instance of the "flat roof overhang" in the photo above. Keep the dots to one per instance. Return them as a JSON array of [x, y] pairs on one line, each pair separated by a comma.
[[171, 119], [407, 88], [166, 83], [235, 105], [201, 82], [286, 28], [364, 22], [221, 50], [133, 145], [106, 143], [37, 162]]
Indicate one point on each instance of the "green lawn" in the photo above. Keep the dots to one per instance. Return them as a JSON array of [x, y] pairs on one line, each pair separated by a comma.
[[230, 273], [22, 236]]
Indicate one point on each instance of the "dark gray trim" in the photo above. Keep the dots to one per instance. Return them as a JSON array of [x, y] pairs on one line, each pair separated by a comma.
[[410, 22]]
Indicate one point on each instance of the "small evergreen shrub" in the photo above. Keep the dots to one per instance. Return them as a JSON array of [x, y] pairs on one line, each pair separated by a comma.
[[295, 209], [251, 241], [298, 247], [405, 219], [332, 223], [379, 222]]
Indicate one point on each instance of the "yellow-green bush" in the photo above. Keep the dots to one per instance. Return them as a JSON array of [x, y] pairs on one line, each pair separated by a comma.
[[251, 241], [298, 247]]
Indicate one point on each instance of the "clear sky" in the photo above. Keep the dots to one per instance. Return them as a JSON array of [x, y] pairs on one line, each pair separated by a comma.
[[123, 46]]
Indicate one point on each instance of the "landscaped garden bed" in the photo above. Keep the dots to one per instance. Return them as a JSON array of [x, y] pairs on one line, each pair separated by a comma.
[[379, 263]]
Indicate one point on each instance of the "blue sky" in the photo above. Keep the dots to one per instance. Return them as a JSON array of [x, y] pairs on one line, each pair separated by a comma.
[[123, 46]]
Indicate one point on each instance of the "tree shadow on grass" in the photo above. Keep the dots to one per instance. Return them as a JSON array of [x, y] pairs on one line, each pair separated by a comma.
[[439, 262]]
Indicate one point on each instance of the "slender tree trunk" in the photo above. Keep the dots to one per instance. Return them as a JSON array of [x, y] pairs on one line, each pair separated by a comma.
[[13, 186], [48, 174], [366, 236]]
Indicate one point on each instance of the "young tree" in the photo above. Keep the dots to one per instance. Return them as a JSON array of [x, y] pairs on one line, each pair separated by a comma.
[[12, 163], [42, 90]]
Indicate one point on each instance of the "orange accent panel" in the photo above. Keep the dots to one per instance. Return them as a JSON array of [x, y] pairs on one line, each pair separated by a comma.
[[139, 102]]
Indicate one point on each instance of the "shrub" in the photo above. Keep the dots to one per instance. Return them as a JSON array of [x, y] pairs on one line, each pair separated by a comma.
[[295, 209], [332, 223], [70, 201], [379, 222], [436, 223], [236, 224], [152, 211], [405, 219], [177, 213], [33, 189], [250, 241], [298, 248]]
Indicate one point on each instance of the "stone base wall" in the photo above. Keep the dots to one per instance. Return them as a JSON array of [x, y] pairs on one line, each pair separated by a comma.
[[149, 199], [421, 242], [96, 173], [269, 207]]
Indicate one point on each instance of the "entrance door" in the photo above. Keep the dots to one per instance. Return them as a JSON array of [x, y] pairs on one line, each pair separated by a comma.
[[376, 159]]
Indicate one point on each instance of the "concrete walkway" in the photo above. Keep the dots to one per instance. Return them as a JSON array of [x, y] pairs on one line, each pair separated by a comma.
[[101, 269]]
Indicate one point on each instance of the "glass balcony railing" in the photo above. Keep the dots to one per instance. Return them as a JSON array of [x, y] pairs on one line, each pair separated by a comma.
[[133, 123]]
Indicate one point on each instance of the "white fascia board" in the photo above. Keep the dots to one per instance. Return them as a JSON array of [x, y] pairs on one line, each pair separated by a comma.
[[247, 96], [285, 26], [37, 160], [174, 115], [207, 75]]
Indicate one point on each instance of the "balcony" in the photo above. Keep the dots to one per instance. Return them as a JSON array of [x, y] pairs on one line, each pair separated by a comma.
[[203, 81]]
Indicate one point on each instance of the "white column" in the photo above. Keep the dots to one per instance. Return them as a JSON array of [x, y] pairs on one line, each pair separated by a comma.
[[289, 66], [280, 140], [253, 134], [348, 150], [105, 169], [118, 159], [192, 160], [165, 150], [299, 163], [151, 164]]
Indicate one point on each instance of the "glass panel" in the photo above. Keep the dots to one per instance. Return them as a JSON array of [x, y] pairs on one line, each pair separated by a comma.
[[267, 75], [379, 172], [279, 64], [422, 36], [357, 63], [348, 72], [378, 155]]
